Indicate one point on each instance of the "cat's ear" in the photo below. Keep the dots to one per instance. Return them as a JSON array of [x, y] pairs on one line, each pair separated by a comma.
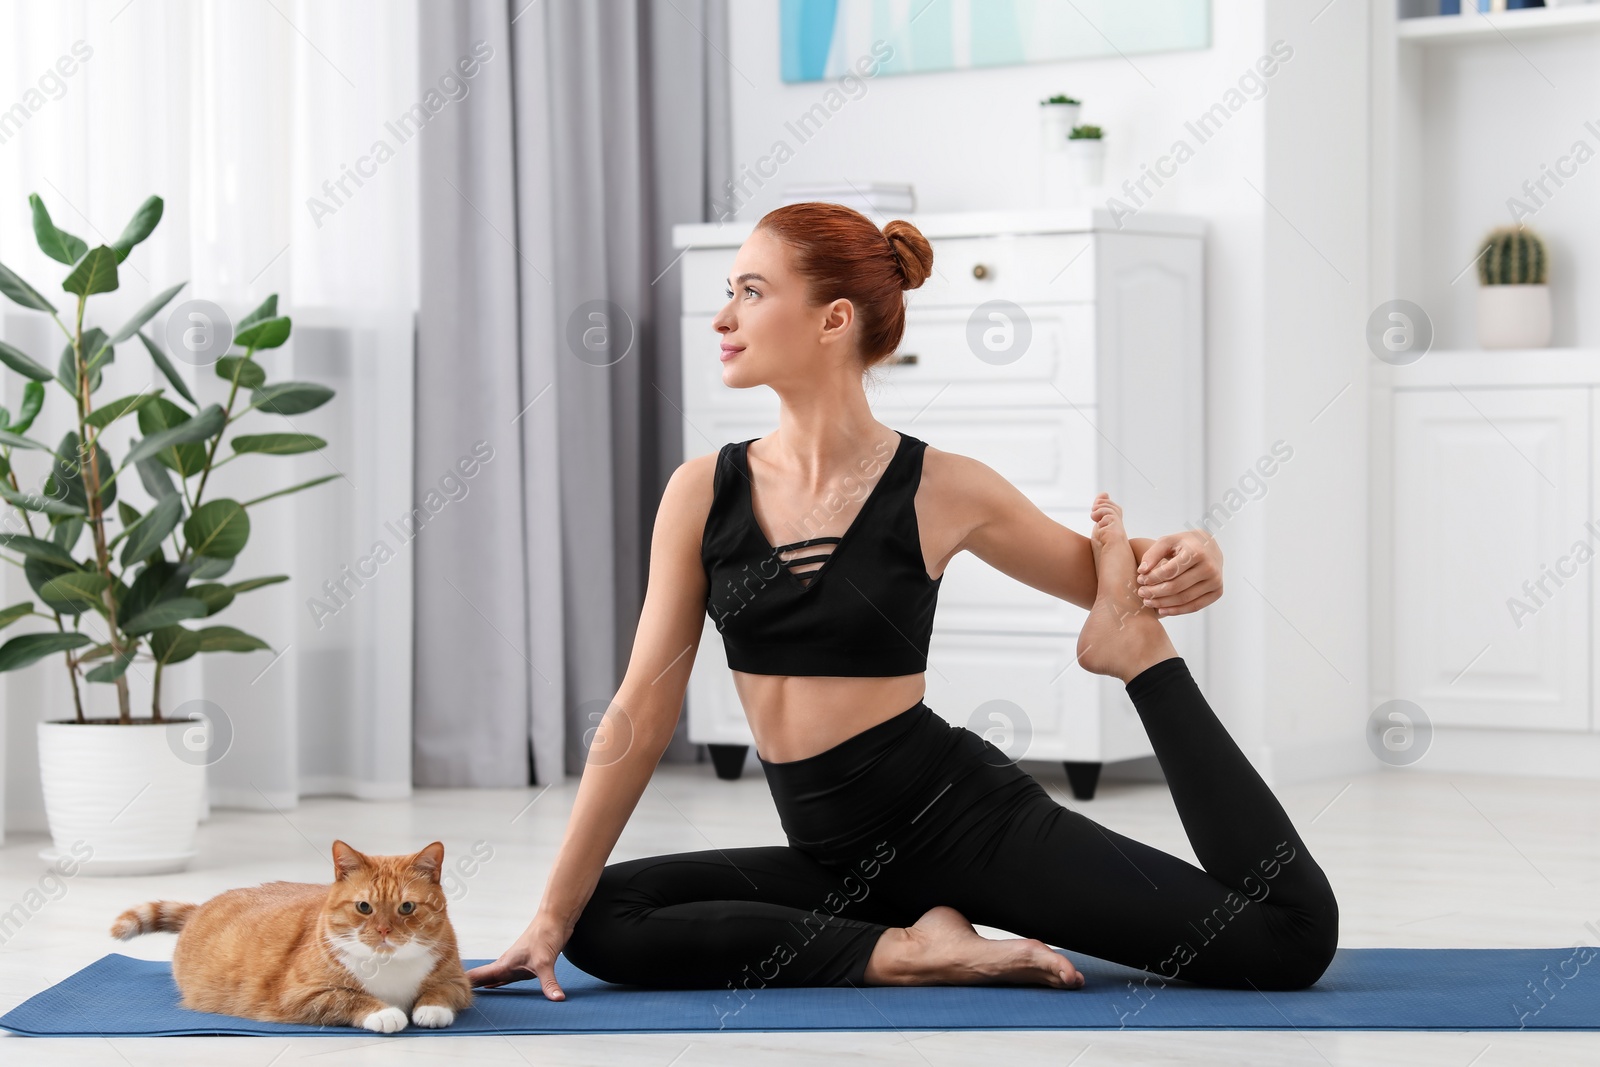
[[429, 861], [346, 861]]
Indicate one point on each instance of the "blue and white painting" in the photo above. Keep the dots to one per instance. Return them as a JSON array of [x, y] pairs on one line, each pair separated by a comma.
[[826, 38]]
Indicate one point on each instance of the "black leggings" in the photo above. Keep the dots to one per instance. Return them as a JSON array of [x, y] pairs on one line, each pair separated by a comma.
[[915, 812]]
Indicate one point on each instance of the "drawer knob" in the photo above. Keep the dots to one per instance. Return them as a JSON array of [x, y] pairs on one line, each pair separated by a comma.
[[980, 271]]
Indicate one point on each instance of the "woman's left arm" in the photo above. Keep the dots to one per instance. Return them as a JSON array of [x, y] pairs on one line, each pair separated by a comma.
[[1180, 572]]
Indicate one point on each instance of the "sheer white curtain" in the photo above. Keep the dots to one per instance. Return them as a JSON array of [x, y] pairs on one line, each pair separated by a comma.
[[276, 132]]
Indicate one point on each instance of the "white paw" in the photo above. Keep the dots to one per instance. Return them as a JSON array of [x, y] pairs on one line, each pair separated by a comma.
[[432, 1015], [386, 1021]]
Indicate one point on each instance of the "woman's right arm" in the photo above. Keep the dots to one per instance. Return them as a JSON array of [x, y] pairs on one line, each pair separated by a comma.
[[632, 734]]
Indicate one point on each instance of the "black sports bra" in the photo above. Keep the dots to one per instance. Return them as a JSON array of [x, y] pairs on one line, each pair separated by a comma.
[[865, 609]]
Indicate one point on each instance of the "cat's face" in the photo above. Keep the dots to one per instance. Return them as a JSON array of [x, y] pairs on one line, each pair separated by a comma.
[[386, 905]]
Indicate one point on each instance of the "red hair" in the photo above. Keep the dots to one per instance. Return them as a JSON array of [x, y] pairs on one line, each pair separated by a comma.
[[841, 254]]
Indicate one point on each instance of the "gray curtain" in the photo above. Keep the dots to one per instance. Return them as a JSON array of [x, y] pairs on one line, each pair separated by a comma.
[[547, 341]]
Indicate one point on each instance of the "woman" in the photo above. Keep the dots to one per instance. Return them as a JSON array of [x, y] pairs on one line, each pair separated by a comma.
[[903, 829]]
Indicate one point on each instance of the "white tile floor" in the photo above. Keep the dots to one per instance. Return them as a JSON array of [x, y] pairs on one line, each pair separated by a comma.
[[1417, 860]]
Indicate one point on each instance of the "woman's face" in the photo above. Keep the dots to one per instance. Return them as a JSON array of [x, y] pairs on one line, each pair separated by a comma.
[[769, 331]]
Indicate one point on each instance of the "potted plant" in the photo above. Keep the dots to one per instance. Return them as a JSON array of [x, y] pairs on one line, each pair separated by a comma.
[[1513, 298], [1086, 148], [117, 585], [1057, 116]]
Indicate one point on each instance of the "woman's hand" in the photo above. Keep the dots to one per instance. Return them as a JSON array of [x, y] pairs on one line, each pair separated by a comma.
[[1181, 572], [533, 955]]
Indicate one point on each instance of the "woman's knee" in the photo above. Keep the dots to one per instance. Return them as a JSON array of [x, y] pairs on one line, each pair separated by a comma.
[[1308, 947]]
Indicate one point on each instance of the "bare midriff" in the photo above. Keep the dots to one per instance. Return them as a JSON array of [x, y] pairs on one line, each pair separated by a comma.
[[793, 717]]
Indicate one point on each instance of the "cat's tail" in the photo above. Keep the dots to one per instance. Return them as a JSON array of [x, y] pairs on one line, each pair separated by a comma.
[[151, 916]]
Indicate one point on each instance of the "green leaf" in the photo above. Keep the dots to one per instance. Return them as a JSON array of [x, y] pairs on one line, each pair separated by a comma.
[[157, 482], [23, 364], [37, 502], [107, 413], [15, 612], [58, 244], [209, 567], [158, 580], [173, 644], [32, 404], [291, 489], [127, 513], [213, 595], [267, 310], [269, 333], [145, 314], [67, 367], [139, 227], [218, 529], [16, 440], [227, 639], [146, 536], [68, 475], [39, 573], [96, 272], [167, 369], [291, 398], [170, 435], [165, 613], [114, 668], [67, 531], [76, 590], [38, 548], [12, 285], [251, 376], [278, 444], [31, 648], [256, 583]]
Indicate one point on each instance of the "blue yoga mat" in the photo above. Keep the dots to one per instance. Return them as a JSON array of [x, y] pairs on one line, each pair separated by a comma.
[[1364, 989]]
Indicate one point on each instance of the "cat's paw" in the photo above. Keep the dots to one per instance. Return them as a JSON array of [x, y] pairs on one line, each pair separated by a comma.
[[432, 1015], [386, 1021]]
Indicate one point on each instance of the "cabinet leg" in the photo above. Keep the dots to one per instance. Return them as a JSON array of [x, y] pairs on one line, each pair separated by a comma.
[[1083, 777], [728, 760]]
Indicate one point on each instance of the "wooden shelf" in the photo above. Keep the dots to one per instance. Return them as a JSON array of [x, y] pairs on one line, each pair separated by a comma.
[[1475, 25]]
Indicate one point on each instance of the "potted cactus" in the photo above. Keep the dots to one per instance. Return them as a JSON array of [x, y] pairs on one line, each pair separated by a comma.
[[1513, 297], [1057, 116], [122, 588]]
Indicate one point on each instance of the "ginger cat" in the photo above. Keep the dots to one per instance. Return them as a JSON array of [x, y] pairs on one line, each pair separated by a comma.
[[368, 950]]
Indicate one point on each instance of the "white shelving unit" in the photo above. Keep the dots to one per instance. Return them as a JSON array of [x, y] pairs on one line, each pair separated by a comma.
[[1485, 471]]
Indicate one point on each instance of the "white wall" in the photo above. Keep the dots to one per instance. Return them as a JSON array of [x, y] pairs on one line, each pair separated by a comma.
[[1278, 323]]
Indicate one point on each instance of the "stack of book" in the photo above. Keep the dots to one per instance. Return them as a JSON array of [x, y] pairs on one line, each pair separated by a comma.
[[869, 198]]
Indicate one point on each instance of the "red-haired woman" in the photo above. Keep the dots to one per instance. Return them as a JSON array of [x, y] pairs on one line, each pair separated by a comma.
[[903, 830]]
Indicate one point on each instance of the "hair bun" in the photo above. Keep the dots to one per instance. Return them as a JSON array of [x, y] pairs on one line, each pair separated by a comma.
[[911, 250]]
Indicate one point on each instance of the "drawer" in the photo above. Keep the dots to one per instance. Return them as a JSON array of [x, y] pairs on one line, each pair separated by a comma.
[[1022, 268], [942, 365], [958, 357]]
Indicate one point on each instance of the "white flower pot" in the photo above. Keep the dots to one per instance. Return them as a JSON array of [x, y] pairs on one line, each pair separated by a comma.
[[1055, 123], [1086, 161], [1513, 316], [131, 793]]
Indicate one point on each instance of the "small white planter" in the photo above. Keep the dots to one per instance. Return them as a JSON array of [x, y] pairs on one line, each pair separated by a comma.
[[1055, 123], [1513, 316], [1086, 161], [130, 792]]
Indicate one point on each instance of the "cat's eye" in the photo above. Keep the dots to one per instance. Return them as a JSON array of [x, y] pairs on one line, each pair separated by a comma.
[[363, 907], [407, 908]]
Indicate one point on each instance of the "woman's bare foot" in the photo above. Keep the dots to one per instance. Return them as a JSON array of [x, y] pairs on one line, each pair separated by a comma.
[[942, 948], [1121, 637]]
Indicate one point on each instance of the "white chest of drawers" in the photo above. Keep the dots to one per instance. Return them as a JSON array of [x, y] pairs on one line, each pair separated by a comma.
[[1106, 392]]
